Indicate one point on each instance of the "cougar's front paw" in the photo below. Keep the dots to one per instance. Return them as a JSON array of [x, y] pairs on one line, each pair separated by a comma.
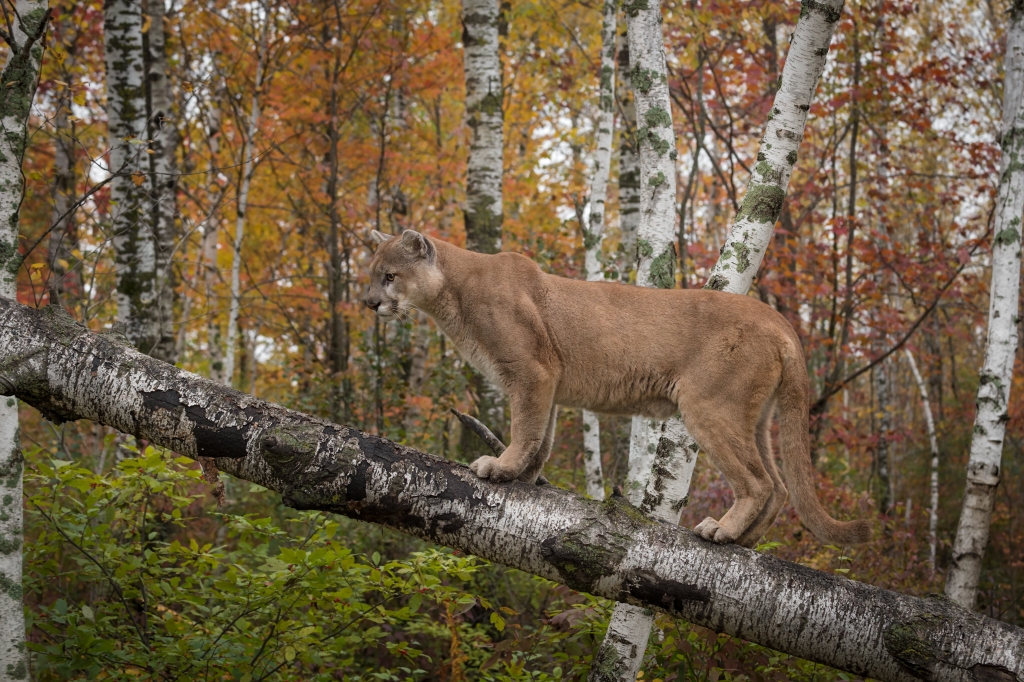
[[709, 529], [492, 468]]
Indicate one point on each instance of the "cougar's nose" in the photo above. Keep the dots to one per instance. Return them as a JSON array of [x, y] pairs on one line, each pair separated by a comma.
[[372, 304]]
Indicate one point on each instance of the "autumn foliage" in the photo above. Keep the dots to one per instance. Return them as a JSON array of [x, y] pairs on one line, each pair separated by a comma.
[[883, 245]]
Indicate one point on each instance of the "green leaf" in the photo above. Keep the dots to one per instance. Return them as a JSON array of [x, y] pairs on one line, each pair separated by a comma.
[[497, 621]]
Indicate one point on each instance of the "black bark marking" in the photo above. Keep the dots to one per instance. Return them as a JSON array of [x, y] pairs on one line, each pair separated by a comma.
[[211, 439], [992, 673], [668, 594]]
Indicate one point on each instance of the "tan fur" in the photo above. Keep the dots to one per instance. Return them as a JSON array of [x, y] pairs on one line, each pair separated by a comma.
[[724, 361]]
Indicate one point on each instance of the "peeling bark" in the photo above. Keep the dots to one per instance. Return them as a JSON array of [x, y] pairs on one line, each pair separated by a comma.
[[17, 88], [997, 374], [606, 548]]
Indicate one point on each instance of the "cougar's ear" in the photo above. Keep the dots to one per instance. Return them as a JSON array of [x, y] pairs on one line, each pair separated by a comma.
[[418, 245], [379, 237]]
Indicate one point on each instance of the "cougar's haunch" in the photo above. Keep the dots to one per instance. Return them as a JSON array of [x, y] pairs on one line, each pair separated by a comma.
[[725, 362]]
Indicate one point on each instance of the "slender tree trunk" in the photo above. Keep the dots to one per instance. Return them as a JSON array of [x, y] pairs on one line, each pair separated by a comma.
[[163, 176], [766, 191], [629, 160], [593, 235], [134, 244], [337, 269], [211, 269], [885, 492], [63, 240], [604, 548], [669, 451], [417, 370], [1001, 346], [481, 21], [933, 492], [248, 167], [17, 88]]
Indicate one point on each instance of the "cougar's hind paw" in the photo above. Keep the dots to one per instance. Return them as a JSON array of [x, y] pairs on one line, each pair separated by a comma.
[[490, 468]]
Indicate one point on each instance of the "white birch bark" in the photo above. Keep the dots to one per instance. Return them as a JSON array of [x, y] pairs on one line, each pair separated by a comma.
[[215, 196], [605, 548], [163, 178], [766, 191], [997, 374], [134, 242], [933, 441], [629, 161], [622, 651], [483, 210], [17, 88], [594, 234], [667, 485], [248, 167], [484, 101]]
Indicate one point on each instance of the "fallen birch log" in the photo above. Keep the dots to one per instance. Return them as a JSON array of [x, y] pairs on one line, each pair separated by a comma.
[[604, 548]]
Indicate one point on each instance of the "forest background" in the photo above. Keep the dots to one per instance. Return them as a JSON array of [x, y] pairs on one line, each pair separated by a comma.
[[332, 118]]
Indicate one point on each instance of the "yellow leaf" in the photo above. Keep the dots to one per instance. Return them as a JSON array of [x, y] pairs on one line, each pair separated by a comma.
[[187, 86], [37, 266], [289, 653], [138, 179], [146, 23], [61, 83]]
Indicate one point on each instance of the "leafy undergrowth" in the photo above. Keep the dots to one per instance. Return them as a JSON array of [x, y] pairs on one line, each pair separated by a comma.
[[120, 588]]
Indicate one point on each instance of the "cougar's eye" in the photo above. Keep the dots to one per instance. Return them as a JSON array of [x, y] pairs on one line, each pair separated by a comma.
[[389, 277]]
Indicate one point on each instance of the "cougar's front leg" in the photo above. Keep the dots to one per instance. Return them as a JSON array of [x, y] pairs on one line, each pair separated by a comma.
[[532, 472], [531, 401]]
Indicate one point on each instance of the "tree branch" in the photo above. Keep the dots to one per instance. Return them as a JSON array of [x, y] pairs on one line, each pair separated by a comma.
[[605, 548]]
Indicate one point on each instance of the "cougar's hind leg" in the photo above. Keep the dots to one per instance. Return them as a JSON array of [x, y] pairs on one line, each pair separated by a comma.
[[728, 436], [533, 471], [779, 495]]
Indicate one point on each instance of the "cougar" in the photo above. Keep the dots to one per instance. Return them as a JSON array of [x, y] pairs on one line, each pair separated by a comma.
[[725, 362]]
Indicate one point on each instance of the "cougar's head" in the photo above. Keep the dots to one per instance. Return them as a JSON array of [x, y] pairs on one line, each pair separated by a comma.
[[403, 274]]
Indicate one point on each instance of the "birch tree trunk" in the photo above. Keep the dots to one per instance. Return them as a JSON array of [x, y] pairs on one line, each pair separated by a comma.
[[622, 651], [629, 160], [248, 167], [670, 450], [997, 374], [605, 548], [134, 244], [593, 235], [486, 118], [17, 88], [163, 178], [485, 170], [209, 245], [64, 237], [933, 492]]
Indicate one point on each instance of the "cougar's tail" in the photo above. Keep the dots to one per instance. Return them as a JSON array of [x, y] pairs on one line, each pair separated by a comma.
[[795, 451]]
